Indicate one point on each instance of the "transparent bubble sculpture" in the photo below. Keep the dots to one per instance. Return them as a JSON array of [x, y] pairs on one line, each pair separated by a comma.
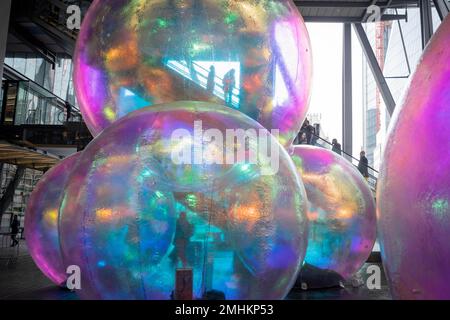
[[253, 56], [414, 187], [341, 213], [41, 220], [159, 191]]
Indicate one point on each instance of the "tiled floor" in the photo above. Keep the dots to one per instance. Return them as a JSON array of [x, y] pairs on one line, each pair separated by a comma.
[[24, 281]]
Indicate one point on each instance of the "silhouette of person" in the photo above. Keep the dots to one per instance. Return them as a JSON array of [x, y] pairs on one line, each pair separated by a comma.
[[309, 131], [336, 147], [183, 234], [15, 225], [363, 165], [210, 85], [69, 112], [229, 82]]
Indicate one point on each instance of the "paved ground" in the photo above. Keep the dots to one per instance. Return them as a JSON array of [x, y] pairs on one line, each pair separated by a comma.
[[24, 281]]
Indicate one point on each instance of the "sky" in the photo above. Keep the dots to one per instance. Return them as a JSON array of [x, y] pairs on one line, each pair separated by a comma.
[[326, 99]]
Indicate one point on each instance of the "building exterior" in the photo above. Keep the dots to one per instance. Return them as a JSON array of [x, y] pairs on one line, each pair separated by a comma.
[[398, 63], [22, 192]]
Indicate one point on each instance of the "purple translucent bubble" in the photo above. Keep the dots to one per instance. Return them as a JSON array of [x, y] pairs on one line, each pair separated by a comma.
[[414, 187], [41, 220], [341, 213], [243, 233], [151, 52]]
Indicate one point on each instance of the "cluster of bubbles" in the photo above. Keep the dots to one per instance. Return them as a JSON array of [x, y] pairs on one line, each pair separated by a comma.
[[123, 210], [147, 198], [253, 56]]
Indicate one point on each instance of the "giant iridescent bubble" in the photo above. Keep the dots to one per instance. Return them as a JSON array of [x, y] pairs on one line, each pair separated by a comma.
[[341, 211], [41, 220], [244, 231], [414, 187], [132, 54]]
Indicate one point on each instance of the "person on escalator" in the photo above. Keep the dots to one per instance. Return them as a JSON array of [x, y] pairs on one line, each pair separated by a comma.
[[210, 85], [363, 165], [309, 131], [229, 82], [15, 225]]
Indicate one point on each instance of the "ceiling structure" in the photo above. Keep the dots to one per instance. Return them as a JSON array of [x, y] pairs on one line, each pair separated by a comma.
[[31, 158], [350, 11], [41, 26]]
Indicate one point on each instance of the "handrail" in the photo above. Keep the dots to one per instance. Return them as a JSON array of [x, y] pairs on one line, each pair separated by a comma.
[[218, 81], [347, 154], [372, 180], [48, 92]]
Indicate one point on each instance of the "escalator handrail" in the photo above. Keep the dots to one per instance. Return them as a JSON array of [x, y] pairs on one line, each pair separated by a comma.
[[347, 154]]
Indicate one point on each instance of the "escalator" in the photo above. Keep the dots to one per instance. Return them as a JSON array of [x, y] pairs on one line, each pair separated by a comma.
[[42, 25], [198, 75]]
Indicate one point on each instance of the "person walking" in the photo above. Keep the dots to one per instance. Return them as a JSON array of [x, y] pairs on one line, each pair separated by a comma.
[[336, 147], [211, 83], [310, 133], [363, 165], [183, 233], [229, 82], [15, 225]]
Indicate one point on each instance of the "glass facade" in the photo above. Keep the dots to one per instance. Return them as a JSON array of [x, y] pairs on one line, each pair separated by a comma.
[[57, 79], [399, 62]]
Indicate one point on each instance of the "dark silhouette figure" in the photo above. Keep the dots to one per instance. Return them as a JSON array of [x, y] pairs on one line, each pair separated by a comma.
[[15, 225], [306, 134], [69, 112], [336, 147], [309, 131], [183, 234], [302, 138], [229, 82], [210, 85], [316, 134], [363, 164]]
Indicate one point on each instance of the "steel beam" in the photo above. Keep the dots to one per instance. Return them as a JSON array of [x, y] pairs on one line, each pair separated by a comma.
[[34, 44], [351, 4], [347, 91], [5, 11], [375, 68], [426, 21], [345, 19], [442, 8]]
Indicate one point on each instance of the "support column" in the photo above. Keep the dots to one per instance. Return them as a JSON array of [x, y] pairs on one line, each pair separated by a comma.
[[5, 11], [375, 67], [347, 92], [426, 21]]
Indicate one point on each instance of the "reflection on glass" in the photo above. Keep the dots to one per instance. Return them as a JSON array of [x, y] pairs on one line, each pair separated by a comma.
[[214, 77]]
